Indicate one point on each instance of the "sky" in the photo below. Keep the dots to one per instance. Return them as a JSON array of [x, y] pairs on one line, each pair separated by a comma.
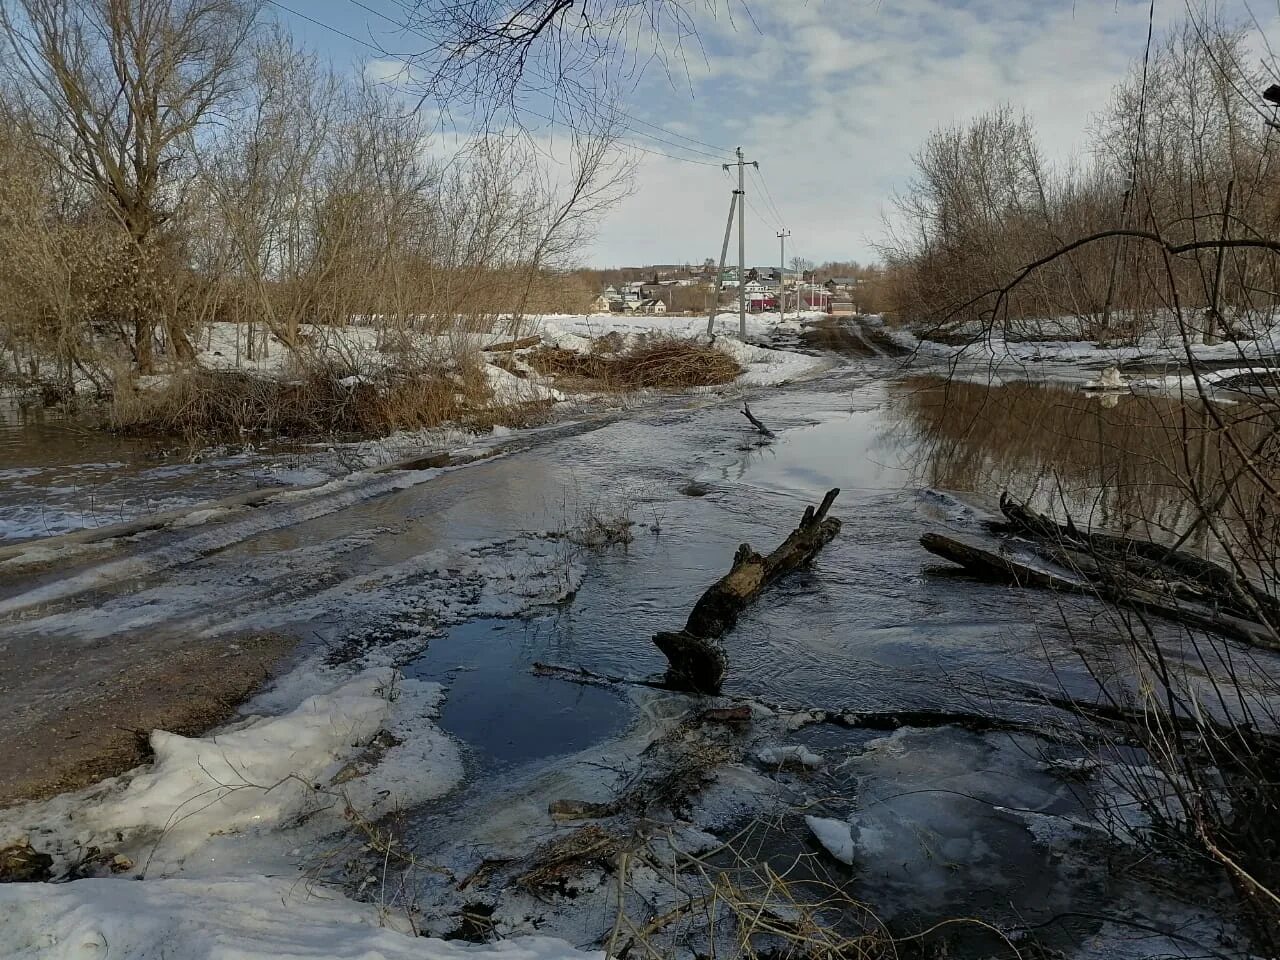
[[830, 97]]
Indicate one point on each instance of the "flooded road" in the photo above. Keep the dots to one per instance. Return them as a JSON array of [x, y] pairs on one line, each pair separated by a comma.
[[58, 475], [468, 577]]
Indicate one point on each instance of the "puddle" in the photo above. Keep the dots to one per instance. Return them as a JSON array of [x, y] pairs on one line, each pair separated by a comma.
[[499, 709]]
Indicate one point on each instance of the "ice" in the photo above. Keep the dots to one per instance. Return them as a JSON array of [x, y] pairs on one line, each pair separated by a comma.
[[940, 814], [249, 918], [796, 755], [297, 506], [835, 835]]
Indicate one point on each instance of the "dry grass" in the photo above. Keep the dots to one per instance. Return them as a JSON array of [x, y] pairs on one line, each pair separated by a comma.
[[211, 405], [649, 363]]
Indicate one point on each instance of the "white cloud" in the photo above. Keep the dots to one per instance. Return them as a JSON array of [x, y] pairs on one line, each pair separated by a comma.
[[833, 97]]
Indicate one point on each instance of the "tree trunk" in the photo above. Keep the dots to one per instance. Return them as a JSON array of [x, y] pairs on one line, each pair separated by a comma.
[[697, 660]]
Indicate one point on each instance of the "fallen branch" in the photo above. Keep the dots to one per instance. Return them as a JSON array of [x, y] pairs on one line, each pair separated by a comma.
[[1096, 582], [760, 427], [697, 661]]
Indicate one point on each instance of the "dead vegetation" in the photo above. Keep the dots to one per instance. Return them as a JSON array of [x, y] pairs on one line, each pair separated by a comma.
[[648, 363], [322, 399], [268, 192]]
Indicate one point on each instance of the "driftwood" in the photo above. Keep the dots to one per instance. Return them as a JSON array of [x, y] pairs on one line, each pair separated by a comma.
[[697, 660], [760, 427], [1131, 573], [1194, 577]]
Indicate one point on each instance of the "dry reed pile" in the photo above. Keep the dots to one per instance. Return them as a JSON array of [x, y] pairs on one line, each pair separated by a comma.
[[650, 363]]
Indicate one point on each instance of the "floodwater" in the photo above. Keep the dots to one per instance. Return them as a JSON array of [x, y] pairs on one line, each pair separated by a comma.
[[59, 475], [873, 625]]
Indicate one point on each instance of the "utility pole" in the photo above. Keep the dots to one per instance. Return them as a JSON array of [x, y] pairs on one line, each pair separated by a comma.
[[742, 242], [782, 272], [724, 252]]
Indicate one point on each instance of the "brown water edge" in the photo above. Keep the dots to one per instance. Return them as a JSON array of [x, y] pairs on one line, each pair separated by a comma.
[[56, 745], [1139, 464]]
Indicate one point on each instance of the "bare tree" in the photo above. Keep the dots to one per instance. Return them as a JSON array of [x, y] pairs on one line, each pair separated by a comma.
[[493, 55], [119, 91]]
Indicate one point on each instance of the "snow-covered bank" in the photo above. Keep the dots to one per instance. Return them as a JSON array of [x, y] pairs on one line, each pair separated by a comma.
[[1170, 350], [250, 918], [223, 347]]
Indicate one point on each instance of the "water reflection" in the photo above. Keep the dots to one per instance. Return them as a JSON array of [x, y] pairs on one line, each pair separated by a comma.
[[1141, 464]]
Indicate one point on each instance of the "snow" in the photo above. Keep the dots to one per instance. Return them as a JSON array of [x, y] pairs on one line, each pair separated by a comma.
[[509, 389], [835, 835], [795, 755], [252, 918], [261, 774]]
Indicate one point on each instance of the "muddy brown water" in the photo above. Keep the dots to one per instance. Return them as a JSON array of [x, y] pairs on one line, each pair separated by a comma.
[[872, 625]]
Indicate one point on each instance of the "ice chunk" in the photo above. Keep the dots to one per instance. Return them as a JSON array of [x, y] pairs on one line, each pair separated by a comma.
[[796, 755], [835, 835]]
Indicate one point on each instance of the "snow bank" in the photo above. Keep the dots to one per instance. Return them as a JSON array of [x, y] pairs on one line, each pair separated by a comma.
[[276, 768], [253, 918], [1154, 349], [245, 795]]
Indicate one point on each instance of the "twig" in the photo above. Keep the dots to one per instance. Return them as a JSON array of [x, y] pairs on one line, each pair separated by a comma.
[[760, 427]]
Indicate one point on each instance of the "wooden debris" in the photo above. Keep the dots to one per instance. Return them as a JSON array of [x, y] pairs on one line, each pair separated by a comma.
[[555, 862], [1124, 571], [760, 427], [697, 660]]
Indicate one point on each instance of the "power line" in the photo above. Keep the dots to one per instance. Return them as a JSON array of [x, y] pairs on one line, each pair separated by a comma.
[[718, 155], [769, 198], [407, 63], [329, 27]]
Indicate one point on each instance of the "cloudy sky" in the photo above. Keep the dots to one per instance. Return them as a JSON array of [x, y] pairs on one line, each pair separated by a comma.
[[831, 97]]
